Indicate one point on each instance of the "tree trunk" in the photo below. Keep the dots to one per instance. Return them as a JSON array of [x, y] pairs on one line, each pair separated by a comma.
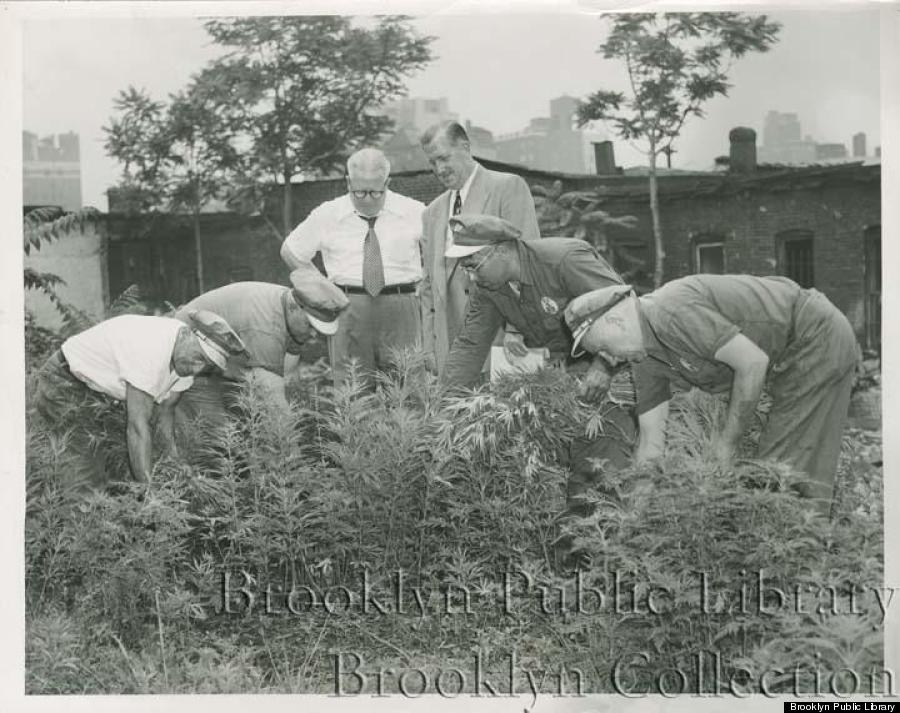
[[198, 249], [286, 213], [658, 249]]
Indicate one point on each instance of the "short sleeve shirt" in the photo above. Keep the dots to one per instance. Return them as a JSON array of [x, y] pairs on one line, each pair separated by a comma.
[[688, 320], [256, 311], [131, 349]]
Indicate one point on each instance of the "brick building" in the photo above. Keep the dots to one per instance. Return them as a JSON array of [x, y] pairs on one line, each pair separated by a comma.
[[51, 170], [820, 225]]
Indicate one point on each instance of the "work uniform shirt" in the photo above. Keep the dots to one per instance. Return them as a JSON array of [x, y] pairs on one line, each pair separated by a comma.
[[686, 321], [336, 230], [258, 313], [554, 271], [131, 349]]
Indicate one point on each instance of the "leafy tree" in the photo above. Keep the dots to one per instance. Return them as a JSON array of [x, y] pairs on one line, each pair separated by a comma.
[[577, 214], [177, 157], [675, 63], [301, 93]]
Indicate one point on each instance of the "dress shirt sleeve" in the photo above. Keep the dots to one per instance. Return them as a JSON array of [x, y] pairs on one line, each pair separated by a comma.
[[303, 242], [472, 344], [584, 270]]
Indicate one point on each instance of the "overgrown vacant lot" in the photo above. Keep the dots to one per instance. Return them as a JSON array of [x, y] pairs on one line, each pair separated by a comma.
[[413, 532]]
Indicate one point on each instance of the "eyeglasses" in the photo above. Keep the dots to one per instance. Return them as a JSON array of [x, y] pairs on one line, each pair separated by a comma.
[[360, 194], [374, 195], [471, 270]]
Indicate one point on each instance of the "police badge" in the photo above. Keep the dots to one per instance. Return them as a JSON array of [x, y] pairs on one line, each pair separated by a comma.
[[549, 306]]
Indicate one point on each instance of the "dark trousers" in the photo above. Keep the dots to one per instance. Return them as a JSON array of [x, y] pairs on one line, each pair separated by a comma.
[[810, 389]]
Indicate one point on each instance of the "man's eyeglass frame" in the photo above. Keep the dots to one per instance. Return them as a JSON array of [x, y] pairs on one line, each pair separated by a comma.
[[485, 256], [374, 195]]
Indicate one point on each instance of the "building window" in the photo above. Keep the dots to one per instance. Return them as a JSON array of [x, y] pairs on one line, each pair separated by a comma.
[[709, 257], [795, 256]]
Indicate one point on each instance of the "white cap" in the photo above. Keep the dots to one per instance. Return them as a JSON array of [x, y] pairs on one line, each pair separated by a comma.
[[216, 354], [326, 328], [462, 250]]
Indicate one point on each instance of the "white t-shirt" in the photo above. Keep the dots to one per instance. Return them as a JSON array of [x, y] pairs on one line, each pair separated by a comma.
[[131, 349]]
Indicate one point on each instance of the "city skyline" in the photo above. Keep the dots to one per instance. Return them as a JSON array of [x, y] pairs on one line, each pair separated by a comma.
[[827, 69]]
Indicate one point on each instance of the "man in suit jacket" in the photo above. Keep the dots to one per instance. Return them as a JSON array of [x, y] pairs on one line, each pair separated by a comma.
[[471, 188]]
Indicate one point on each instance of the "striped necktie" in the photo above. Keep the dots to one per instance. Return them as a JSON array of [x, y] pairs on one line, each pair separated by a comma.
[[372, 269]]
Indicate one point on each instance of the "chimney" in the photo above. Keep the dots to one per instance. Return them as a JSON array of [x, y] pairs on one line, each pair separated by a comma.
[[743, 150], [604, 158]]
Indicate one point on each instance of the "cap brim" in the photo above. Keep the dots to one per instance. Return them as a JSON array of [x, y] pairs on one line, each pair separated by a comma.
[[462, 250], [215, 355], [578, 335], [326, 328]]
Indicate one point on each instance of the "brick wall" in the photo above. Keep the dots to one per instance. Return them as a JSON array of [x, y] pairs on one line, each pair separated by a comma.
[[749, 222], [837, 205]]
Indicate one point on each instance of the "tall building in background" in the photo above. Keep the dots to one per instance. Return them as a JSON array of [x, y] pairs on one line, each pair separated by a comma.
[[418, 113], [412, 117], [783, 141], [551, 143], [51, 168]]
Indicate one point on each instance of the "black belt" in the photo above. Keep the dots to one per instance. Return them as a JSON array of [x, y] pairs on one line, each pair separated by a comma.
[[405, 289]]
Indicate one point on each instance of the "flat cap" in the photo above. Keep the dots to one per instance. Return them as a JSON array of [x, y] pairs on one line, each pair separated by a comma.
[[319, 297], [217, 339], [581, 312], [472, 232]]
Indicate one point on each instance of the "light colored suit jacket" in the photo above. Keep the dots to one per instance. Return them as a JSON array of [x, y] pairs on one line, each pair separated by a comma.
[[444, 298]]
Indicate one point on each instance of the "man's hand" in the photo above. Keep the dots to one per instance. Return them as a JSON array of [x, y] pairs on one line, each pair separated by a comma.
[[514, 345], [595, 383]]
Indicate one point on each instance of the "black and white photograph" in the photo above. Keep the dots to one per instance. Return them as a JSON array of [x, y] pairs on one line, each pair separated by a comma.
[[483, 357]]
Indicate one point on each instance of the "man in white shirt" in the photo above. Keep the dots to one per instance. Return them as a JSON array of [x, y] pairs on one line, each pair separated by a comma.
[[147, 362], [471, 188], [369, 240]]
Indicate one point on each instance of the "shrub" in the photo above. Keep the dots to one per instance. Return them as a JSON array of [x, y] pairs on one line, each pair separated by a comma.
[[461, 493]]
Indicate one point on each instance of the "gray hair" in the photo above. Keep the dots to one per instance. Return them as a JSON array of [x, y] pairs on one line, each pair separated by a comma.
[[369, 162]]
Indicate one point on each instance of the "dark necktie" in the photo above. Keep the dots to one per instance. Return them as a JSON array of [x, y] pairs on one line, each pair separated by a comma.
[[457, 204], [372, 269]]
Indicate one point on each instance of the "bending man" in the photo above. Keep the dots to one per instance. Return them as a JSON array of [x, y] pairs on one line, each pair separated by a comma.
[[147, 362], [733, 333]]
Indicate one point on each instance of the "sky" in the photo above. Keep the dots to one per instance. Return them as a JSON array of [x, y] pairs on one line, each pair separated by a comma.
[[497, 69]]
